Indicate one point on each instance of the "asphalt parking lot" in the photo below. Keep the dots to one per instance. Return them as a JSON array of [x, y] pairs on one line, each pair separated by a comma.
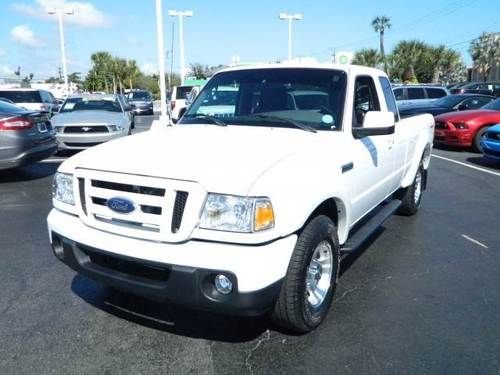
[[422, 297]]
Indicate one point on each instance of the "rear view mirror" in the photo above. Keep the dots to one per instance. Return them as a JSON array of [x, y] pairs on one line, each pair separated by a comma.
[[375, 123]]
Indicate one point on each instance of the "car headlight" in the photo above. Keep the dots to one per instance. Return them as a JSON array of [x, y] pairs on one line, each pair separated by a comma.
[[58, 129], [62, 188], [237, 214], [460, 125], [115, 128]]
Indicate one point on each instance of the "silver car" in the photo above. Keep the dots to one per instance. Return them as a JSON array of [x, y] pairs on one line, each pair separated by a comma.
[[86, 121]]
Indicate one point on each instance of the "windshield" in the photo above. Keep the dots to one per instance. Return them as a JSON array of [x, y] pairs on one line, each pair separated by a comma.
[[22, 96], [139, 95], [91, 104], [495, 105], [448, 101], [312, 97]]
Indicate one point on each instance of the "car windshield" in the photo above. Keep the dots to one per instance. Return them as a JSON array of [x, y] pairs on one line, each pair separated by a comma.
[[18, 96], [273, 98], [139, 95], [448, 101], [495, 105], [91, 104]]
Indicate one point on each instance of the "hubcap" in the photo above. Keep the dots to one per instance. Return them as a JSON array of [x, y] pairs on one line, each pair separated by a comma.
[[319, 274], [418, 187]]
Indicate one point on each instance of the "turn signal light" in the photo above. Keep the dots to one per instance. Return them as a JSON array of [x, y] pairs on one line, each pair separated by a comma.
[[264, 215]]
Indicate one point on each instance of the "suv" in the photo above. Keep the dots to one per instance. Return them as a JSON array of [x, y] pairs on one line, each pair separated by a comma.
[[141, 101], [420, 94], [177, 105], [31, 99]]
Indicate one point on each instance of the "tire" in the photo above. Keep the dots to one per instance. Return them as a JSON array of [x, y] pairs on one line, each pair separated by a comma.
[[476, 143], [297, 309], [411, 197], [129, 131], [132, 126]]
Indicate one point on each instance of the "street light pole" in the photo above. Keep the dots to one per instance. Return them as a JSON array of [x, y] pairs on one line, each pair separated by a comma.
[[161, 62], [290, 18], [181, 14], [59, 13]]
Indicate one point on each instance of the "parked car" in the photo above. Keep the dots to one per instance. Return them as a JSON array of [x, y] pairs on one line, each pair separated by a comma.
[[177, 105], [418, 94], [466, 128], [31, 99], [25, 136], [490, 143], [485, 88], [449, 103], [86, 121], [128, 108], [245, 214], [7, 100], [141, 102]]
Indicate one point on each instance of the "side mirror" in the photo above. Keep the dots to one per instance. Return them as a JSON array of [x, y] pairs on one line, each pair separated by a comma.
[[375, 123]]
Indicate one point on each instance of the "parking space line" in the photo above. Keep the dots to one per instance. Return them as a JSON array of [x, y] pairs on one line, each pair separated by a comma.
[[467, 165], [474, 241]]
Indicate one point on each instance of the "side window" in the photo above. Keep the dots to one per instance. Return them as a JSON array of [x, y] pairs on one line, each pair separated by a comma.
[[389, 97], [435, 93], [415, 93], [365, 99], [474, 103], [399, 94]]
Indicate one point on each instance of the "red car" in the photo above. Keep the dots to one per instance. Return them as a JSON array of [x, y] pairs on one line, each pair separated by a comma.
[[466, 128]]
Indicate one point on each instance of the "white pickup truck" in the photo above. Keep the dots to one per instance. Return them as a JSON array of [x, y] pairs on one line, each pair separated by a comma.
[[248, 203]]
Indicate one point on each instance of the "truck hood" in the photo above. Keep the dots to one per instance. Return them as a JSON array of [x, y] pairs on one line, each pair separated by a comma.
[[222, 159], [86, 117]]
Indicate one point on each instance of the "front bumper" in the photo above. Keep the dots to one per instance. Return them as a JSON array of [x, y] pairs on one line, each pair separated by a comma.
[[80, 141], [491, 148], [181, 273], [449, 137]]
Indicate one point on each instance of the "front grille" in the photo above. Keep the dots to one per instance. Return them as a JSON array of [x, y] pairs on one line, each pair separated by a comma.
[[163, 209], [441, 125], [82, 144], [86, 129]]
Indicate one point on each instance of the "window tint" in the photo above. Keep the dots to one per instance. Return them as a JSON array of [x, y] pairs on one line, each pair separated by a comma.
[[91, 104], [365, 99], [474, 103], [416, 93], [18, 96], [435, 93], [183, 92], [399, 94], [389, 97]]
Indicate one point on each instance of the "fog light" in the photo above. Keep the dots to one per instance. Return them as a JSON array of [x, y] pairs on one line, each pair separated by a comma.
[[223, 284]]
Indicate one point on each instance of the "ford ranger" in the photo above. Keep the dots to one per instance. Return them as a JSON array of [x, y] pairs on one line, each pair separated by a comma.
[[246, 206]]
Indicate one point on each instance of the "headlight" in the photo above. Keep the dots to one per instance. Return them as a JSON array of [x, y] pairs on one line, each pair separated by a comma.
[[237, 214], [58, 129], [460, 125], [115, 128], [62, 188]]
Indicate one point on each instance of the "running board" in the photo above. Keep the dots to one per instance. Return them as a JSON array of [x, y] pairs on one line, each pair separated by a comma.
[[360, 236]]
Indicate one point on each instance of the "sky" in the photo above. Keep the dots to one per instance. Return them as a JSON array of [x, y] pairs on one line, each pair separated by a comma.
[[221, 29]]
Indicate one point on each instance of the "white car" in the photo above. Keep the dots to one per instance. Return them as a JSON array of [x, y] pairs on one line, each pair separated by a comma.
[[177, 105], [246, 212], [31, 99]]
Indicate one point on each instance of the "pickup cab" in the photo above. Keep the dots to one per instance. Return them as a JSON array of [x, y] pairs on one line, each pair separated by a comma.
[[246, 207]]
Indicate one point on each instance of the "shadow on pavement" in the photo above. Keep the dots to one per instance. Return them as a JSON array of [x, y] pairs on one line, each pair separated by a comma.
[[485, 162], [169, 318], [29, 172], [348, 260]]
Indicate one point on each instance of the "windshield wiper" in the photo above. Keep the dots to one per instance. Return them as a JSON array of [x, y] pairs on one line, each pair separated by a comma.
[[288, 121], [213, 119]]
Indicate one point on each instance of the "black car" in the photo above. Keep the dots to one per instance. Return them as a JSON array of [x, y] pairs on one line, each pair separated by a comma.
[[141, 102], [450, 103], [485, 88]]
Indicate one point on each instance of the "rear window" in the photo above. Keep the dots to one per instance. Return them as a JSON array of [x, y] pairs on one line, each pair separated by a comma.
[[398, 93], [21, 96], [416, 93], [139, 95], [183, 92], [435, 93]]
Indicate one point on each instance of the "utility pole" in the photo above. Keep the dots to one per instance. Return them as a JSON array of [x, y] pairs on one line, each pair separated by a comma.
[[59, 12], [181, 14], [290, 18], [161, 62]]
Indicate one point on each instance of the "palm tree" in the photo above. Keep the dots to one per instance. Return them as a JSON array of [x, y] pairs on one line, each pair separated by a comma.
[[380, 24], [367, 57], [485, 52], [406, 57]]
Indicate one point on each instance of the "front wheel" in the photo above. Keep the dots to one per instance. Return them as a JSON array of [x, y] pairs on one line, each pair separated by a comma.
[[476, 143], [411, 196], [311, 279]]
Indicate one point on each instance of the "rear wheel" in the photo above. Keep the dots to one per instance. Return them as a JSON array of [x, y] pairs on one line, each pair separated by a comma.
[[476, 144], [311, 279], [412, 195]]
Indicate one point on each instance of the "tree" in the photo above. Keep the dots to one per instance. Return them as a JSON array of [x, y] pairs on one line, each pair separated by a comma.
[[408, 61], [200, 71], [485, 52], [367, 57], [443, 62], [75, 77], [380, 24]]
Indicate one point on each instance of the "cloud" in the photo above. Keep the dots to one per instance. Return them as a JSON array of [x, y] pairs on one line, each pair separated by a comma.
[[149, 68], [5, 70], [2, 52], [85, 14], [22, 34], [133, 41]]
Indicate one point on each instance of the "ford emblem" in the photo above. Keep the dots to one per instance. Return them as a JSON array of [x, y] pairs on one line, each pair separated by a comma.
[[120, 205]]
